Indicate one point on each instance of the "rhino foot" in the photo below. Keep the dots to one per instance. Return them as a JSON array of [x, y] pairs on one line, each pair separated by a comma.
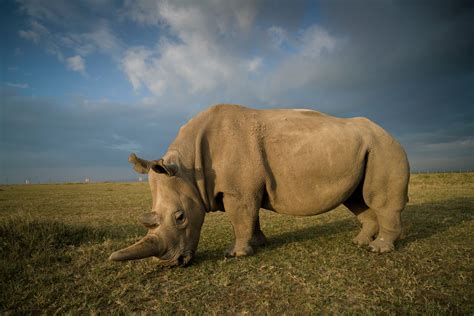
[[233, 251], [362, 240], [258, 239], [380, 246]]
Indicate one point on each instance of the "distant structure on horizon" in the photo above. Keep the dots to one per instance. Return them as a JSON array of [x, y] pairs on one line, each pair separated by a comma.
[[140, 179], [27, 181], [87, 180]]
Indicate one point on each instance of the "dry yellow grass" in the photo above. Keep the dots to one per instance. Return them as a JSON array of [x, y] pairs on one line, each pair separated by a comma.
[[55, 240]]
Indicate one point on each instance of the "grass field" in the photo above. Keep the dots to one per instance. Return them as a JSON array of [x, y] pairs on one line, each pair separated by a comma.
[[55, 240]]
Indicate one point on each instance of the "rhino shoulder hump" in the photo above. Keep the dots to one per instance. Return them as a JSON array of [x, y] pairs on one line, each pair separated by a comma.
[[226, 107]]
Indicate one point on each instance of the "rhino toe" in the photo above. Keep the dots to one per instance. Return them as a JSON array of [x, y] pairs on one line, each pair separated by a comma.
[[381, 246], [238, 251], [361, 241]]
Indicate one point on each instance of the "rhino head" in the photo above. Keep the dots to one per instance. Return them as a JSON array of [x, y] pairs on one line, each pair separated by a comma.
[[174, 223]]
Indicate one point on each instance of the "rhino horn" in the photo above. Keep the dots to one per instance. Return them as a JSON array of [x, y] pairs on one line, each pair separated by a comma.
[[139, 165], [148, 246]]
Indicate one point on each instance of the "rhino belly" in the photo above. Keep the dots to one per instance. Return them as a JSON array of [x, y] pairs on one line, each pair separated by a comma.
[[311, 197]]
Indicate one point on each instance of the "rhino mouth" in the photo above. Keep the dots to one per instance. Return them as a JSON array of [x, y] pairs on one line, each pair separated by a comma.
[[184, 260], [181, 259]]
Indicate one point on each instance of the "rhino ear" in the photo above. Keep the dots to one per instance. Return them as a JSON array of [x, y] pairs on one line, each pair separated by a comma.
[[159, 167], [139, 165]]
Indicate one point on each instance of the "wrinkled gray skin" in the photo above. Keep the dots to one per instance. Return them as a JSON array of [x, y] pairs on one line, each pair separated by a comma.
[[299, 162]]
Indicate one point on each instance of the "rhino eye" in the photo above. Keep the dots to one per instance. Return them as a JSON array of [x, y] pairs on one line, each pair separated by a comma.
[[179, 217]]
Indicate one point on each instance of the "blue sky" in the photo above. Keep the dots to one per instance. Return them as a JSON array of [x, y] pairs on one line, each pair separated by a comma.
[[84, 83]]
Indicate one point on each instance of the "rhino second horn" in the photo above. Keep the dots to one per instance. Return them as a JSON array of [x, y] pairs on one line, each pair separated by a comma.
[[148, 246]]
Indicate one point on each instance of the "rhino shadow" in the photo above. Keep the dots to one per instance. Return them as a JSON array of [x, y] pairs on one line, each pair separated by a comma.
[[311, 233], [420, 221], [23, 238]]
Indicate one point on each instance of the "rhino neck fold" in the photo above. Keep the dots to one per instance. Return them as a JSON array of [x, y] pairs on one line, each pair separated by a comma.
[[203, 172], [192, 148]]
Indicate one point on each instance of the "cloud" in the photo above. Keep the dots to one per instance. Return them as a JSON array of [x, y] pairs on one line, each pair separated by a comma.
[[429, 154], [315, 41], [30, 35], [123, 144], [220, 52], [76, 63], [17, 85], [142, 12], [277, 35], [17, 52], [60, 27], [134, 63], [254, 64], [227, 16], [304, 71], [174, 67], [200, 60], [463, 144], [40, 35], [101, 39], [65, 14]]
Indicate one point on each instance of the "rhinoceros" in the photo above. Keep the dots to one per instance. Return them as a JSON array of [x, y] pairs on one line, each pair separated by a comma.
[[239, 160]]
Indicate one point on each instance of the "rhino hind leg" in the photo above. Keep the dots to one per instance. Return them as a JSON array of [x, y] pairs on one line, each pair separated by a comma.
[[366, 216], [385, 190], [390, 230]]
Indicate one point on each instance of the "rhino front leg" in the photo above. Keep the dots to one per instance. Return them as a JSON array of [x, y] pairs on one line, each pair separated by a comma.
[[258, 238], [243, 215]]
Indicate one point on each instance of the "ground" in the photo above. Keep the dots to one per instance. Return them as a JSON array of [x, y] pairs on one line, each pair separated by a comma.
[[55, 241]]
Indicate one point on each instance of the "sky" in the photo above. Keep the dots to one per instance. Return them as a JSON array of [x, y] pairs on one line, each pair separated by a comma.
[[85, 83]]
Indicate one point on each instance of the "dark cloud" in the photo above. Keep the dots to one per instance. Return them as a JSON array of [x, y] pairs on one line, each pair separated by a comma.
[[416, 39], [42, 133], [288, 14]]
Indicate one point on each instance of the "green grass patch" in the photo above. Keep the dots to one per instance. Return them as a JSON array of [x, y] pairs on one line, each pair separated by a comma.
[[55, 240]]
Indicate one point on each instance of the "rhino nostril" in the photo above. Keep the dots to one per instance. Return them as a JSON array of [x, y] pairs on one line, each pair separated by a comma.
[[183, 260]]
